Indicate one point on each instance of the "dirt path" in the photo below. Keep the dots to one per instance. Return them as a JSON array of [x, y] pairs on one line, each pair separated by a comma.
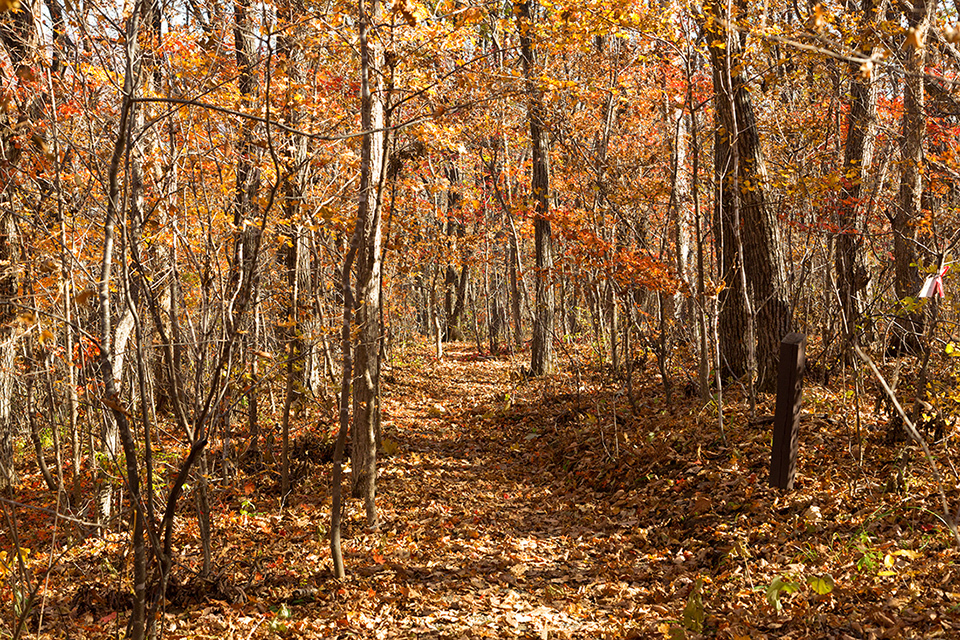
[[520, 509], [478, 538], [494, 546]]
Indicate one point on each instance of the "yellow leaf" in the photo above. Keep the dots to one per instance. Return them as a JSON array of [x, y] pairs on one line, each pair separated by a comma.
[[390, 447], [26, 318], [952, 34], [819, 18]]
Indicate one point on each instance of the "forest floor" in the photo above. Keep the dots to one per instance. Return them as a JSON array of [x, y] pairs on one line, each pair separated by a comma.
[[546, 509]]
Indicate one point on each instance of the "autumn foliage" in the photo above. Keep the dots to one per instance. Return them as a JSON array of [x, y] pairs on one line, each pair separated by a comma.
[[518, 273]]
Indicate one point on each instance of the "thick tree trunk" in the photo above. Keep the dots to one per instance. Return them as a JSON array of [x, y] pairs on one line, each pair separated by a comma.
[[294, 253], [541, 348], [745, 222], [20, 38], [909, 210], [680, 226], [512, 257], [247, 186], [9, 288], [454, 284]]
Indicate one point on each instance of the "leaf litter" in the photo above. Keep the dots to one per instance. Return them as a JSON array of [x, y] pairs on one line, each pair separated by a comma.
[[516, 508]]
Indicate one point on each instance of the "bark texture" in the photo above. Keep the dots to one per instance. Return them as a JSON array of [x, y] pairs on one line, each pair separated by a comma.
[[857, 159], [745, 222], [541, 348], [20, 37], [909, 209], [368, 241]]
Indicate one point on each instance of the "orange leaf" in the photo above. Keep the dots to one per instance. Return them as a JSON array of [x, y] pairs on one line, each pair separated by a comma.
[[84, 296]]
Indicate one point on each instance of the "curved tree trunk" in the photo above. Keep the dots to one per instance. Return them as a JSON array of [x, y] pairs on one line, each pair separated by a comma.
[[119, 418], [368, 241]]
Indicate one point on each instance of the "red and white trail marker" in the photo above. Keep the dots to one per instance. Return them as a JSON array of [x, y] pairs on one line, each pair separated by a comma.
[[933, 286]]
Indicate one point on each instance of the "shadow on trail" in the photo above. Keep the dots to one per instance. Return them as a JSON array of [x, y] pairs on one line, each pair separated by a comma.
[[488, 520]]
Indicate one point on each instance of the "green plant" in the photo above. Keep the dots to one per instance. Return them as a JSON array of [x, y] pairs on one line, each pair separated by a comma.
[[870, 558], [278, 624], [807, 554], [822, 583], [780, 585]]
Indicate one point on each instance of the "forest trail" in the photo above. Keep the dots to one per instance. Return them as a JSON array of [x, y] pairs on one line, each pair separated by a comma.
[[514, 508], [530, 510], [499, 545]]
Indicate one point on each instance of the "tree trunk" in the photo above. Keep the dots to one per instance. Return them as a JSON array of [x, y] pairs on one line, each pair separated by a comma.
[[857, 159], [294, 253], [454, 284], [909, 209], [9, 288], [541, 348], [512, 257], [118, 414], [368, 239], [745, 221], [680, 228], [20, 38]]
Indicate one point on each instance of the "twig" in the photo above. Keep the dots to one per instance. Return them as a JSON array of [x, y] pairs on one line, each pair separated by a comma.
[[51, 512], [255, 627], [912, 430]]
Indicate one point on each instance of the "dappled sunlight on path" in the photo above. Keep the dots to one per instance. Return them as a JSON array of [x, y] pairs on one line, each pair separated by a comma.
[[548, 509], [500, 548]]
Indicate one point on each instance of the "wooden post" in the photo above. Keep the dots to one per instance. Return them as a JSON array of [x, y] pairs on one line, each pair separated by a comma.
[[783, 461]]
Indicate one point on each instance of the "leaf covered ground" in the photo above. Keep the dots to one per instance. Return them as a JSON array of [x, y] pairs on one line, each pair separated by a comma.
[[516, 508]]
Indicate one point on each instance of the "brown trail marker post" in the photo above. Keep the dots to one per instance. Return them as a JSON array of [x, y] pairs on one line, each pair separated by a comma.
[[786, 420]]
